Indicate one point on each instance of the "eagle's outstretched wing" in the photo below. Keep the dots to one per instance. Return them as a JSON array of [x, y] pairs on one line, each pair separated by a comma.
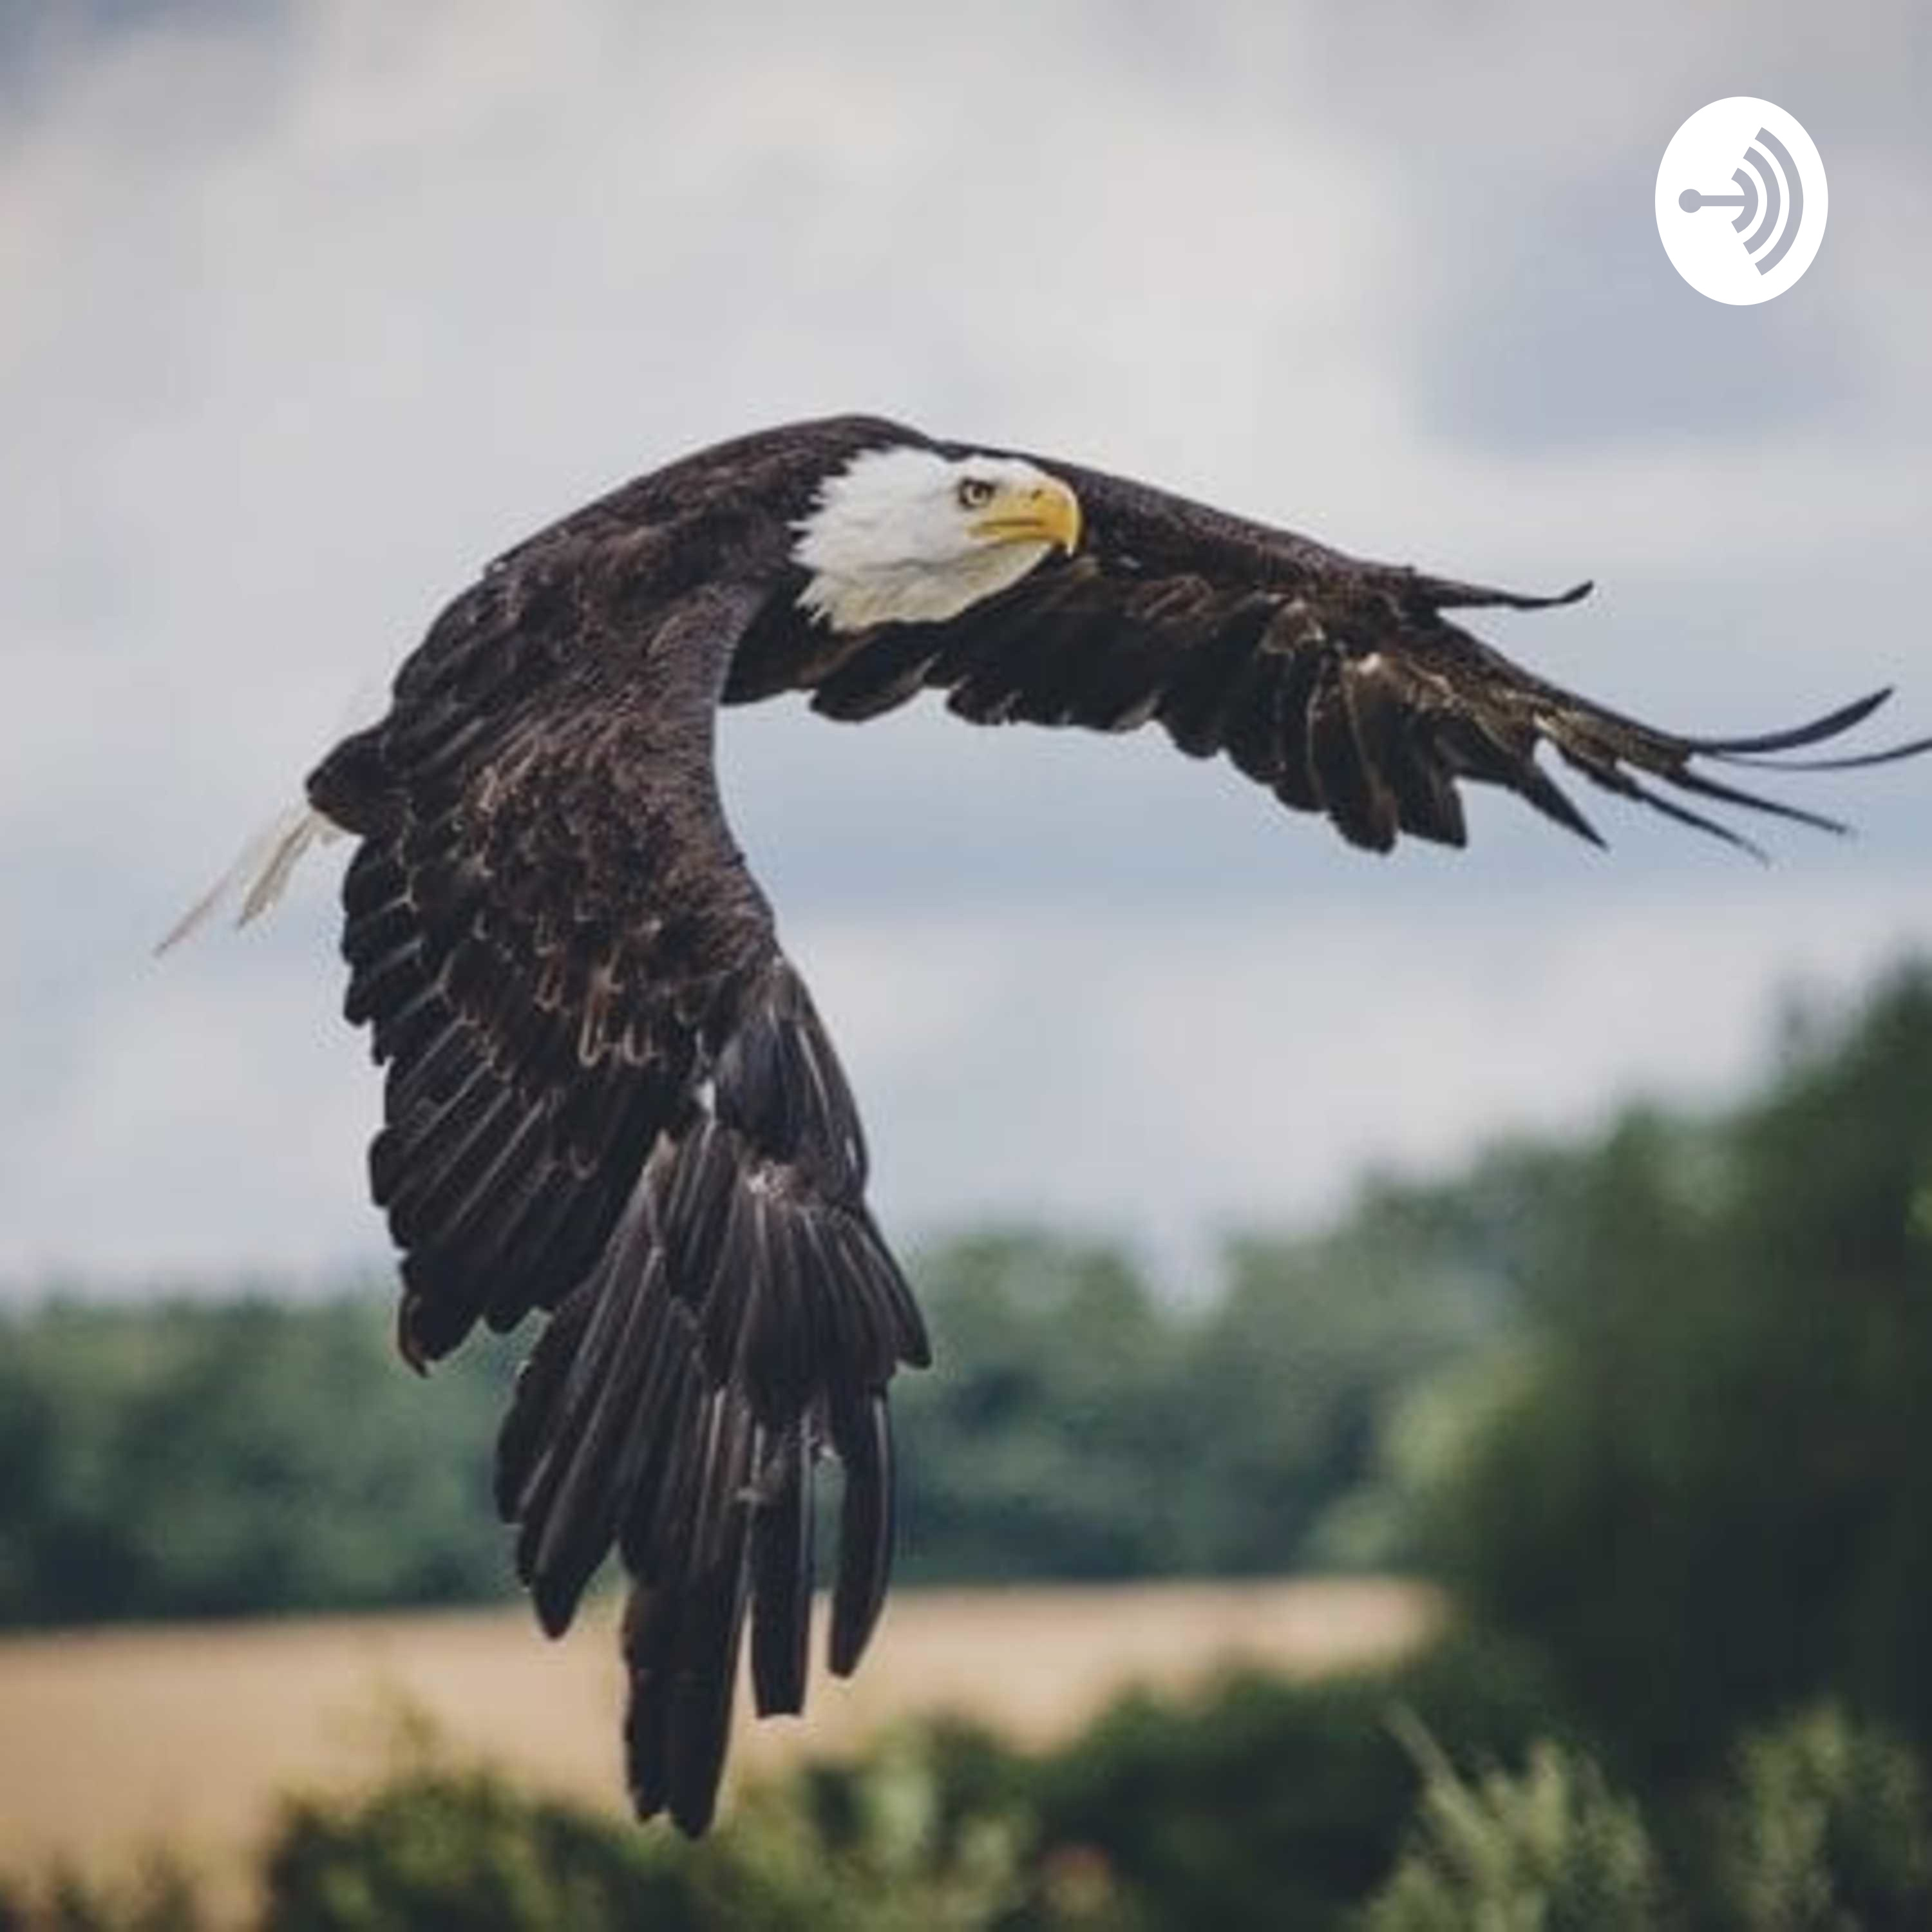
[[1337, 683], [607, 1094]]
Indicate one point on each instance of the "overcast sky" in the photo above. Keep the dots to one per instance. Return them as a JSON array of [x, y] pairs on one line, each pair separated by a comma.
[[306, 310]]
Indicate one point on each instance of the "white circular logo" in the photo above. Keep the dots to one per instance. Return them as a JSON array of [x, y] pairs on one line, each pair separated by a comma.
[[1742, 200]]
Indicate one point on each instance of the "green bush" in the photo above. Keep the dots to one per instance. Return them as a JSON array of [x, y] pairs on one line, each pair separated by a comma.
[[465, 1850], [161, 1896], [1820, 1825], [1264, 1802], [1549, 1849], [1826, 1827], [881, 1845], [1254, 1802]]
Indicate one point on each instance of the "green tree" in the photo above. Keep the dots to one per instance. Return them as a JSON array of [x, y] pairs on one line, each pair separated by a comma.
[[192, 1459], [1053, 1436], [1710, 1497]]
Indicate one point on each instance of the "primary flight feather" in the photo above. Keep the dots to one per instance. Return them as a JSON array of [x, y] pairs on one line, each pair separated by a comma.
[[608, 1096]]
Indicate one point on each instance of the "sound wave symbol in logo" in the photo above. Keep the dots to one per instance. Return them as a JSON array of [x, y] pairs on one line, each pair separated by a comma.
[[1748, 197], [1777, 213]]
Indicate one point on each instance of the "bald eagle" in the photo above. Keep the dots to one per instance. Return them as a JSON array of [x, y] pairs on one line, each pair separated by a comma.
[[608, 1096]]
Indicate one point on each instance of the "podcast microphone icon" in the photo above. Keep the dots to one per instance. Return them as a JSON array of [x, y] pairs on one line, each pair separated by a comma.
[[1775, 203], [1758, 168]]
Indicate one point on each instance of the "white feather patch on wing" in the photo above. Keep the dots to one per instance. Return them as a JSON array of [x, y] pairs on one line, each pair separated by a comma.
[[260, 872]]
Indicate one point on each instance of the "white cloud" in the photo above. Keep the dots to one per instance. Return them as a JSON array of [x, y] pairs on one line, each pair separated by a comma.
[[298, 325], [1241, 1065], [1155, 1071]]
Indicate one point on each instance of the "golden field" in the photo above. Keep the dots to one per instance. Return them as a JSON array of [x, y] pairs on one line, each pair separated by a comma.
[[113, 1741]]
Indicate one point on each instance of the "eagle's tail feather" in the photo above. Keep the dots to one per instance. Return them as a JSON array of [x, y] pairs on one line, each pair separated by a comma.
[[260, 873], [743, 1318]]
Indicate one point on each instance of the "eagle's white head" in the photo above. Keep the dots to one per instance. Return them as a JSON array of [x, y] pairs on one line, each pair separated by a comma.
[[909, 536]]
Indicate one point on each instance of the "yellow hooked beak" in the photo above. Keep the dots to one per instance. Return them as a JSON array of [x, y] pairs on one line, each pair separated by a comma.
[[1046, 512]]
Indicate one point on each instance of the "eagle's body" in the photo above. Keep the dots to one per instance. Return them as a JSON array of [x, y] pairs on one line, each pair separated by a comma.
[[608, 1096]]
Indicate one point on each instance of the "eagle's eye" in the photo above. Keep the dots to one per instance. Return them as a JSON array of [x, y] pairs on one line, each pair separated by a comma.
[[974, 492]]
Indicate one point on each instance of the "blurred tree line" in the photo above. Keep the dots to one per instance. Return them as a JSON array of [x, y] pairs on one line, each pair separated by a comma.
[[1657, 1409], [197, 1457]]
